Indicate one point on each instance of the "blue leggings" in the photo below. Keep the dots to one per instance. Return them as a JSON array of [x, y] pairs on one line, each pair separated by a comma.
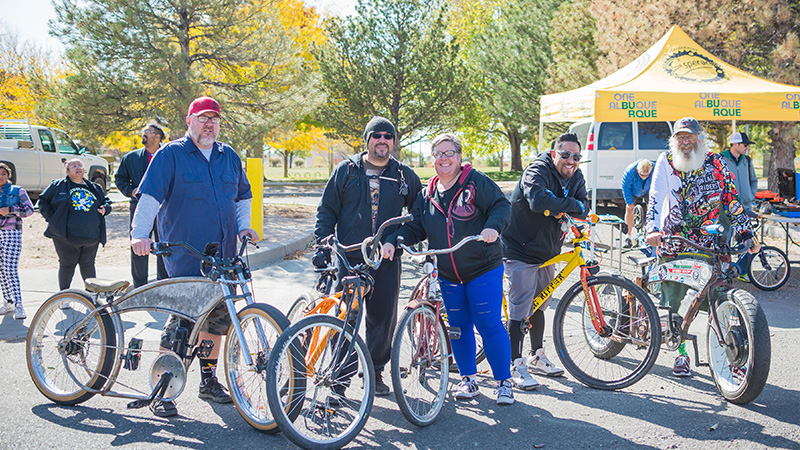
[[478, 303]]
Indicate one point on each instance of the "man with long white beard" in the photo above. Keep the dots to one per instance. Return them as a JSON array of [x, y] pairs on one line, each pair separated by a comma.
[[691, 188]]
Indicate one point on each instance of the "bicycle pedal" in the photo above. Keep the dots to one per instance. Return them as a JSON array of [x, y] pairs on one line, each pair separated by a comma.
[[454, 333], [140, 403]]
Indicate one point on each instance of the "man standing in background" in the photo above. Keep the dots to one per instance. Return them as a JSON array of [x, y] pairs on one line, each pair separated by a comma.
[[129, 174]]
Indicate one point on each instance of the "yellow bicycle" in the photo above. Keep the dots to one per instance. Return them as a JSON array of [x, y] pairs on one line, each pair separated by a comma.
[[606, 329]]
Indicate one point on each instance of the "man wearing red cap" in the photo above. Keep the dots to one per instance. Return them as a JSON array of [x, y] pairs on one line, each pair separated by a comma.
[[198, 190]]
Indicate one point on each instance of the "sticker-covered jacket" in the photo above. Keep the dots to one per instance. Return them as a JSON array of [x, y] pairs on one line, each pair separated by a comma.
[[683, 202], [477, 203]]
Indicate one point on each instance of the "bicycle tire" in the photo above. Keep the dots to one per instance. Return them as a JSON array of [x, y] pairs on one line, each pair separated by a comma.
[[89, 357], [769, 269], [330, 411], [739, 369], [420, 365], [480, 354], [247, 384], [299, 307], [624, 357], [638, 217]]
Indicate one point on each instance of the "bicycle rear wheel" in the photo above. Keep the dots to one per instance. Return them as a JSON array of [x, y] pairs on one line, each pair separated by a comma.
[[299, 307], [420, 365], [740, 367], [339, 388], [769, 268], [247, 383], [618, 357], [88, 356]]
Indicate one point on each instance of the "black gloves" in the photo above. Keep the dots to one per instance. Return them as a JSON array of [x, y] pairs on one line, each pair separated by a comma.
[[322, 258]]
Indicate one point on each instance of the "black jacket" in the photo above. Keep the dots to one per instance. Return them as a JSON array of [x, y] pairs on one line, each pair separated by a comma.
[[478, 203], [130, 172], [54, 204], [532, 237], [346, 206]]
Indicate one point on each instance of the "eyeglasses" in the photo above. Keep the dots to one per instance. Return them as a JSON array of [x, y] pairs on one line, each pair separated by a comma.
[[566, 155], [203, 119], [387, 136], [449, 154]]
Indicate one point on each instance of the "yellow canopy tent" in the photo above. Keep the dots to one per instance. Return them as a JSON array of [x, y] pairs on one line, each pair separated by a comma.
[[675, 78]]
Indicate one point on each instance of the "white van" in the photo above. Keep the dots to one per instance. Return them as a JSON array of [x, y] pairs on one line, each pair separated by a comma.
[[618, 144]]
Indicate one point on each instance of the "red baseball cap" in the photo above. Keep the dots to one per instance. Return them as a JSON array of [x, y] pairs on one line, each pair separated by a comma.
[[204, 104]]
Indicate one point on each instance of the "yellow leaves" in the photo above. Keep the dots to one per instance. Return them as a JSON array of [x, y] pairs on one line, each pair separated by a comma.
[[304, 138], [467, 17]]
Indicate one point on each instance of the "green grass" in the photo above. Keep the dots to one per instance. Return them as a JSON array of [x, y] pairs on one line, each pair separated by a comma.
[[424, 173]]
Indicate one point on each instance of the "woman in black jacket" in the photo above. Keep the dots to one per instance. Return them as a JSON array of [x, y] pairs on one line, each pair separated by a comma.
[[74, 209], [459, 202]]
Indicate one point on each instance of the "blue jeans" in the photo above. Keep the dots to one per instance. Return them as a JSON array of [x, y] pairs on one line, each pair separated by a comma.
[[478, 303]]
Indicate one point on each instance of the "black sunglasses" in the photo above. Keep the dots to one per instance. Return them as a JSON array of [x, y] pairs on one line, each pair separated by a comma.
[[387, 136], [566, 155]]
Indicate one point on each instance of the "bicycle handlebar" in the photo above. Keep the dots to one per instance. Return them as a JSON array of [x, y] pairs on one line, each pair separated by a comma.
[[373, 261], [165, 248], [441, 251], [733, 251]]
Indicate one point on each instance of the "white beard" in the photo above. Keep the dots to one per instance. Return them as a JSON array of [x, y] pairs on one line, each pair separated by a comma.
[[687, 163]]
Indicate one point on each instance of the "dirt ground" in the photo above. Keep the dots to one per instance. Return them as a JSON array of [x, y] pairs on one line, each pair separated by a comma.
[[280, 222]]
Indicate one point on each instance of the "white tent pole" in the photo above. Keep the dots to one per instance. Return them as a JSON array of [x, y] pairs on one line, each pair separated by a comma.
[[594, 160], [733, 126]]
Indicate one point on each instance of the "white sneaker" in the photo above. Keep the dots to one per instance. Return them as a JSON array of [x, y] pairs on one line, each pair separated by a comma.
[[19, 312], [540, 365], [6, 308], [505, 395], [521, 377], [467, 389]]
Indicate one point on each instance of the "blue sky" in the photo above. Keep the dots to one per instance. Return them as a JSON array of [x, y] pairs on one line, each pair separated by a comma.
[[28, 18]]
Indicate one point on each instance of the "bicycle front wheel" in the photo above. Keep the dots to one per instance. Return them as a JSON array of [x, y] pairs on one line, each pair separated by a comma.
[[621, 354], [261, 325], [769, 268], [740, 367], [339, 385], [420, 365], [55, 363]]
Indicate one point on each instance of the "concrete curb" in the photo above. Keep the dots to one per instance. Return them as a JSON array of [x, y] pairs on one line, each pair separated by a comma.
[[270, 253]]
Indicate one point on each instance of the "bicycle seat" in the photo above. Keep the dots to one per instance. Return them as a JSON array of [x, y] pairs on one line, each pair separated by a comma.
[[99, 285], [642, 261]]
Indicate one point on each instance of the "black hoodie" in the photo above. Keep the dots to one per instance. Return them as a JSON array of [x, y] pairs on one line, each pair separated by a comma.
[[532, 237], [475, 202], [346, 208]]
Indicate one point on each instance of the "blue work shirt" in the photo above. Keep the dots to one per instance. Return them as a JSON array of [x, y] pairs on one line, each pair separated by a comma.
[[633, 185], [198, 199]]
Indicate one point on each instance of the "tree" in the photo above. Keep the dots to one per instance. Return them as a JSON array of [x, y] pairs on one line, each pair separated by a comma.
[[395, 59], [133, 61], [573, 46], [25, 77], [511, 56]]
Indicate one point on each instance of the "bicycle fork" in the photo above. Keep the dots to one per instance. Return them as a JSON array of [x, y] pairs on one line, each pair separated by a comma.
[[595, 312]]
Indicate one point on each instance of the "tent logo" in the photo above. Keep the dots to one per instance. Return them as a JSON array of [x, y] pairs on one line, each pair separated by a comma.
[[689, 65]]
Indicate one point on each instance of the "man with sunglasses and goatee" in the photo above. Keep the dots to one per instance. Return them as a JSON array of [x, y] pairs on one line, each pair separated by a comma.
[[364, 191], [554, 183]]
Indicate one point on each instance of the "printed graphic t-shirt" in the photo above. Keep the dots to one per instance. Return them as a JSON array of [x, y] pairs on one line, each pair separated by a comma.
[[83, 220]]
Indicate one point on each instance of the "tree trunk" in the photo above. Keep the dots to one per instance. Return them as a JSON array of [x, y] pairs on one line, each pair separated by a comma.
[[783, 152], [286, 165], [515, 140]]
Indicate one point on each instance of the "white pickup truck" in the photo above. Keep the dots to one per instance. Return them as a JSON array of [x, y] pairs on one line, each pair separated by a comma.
[[36, 156]]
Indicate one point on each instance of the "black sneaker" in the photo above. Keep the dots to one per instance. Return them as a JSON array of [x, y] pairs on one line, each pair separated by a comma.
[[381, 389], [212, 390], [163, 409], [628, 243]]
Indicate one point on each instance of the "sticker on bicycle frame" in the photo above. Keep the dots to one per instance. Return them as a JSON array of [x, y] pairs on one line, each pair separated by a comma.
[[690, 272]]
